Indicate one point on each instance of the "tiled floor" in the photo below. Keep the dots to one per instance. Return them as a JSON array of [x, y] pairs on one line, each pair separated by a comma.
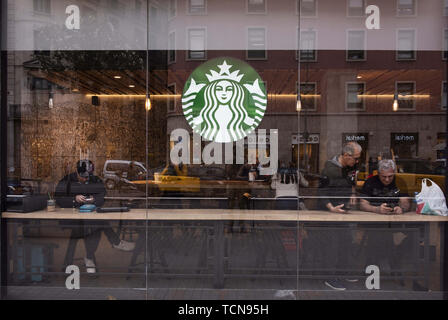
[[51, 293], [160, 289]]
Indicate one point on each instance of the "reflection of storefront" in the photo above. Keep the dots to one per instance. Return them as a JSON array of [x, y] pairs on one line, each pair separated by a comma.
[[404, 145], [362, 139], [255, 145], [441, 145], [309, 152]]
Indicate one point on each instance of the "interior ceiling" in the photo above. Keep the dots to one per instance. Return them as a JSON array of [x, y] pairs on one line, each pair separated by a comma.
[[103, 82]]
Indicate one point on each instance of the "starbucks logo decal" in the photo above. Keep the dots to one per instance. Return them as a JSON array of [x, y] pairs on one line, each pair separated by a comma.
[[224, 100]]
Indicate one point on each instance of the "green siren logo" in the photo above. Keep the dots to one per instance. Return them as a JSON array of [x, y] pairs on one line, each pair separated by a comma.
[[224, 100]]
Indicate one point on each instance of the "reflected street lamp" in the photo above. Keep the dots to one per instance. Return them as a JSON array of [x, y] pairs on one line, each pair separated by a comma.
[[395, 104]]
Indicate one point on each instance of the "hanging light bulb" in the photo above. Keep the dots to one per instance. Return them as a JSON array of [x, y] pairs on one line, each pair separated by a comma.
[[50, 100], [299, 103], [148, 103], [395, 105]]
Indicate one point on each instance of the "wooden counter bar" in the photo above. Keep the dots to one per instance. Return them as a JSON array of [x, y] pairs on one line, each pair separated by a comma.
[[217, 219], [226, 214]]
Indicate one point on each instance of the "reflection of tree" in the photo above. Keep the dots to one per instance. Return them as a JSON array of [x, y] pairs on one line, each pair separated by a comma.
[[114, 130], [84, 60], [69, 53]]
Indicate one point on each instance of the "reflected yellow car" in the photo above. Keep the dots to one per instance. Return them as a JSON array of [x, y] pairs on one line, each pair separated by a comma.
[[164, 183], [177, 183]]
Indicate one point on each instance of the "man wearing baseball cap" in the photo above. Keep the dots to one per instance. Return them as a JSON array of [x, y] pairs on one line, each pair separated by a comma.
[[79, 188]]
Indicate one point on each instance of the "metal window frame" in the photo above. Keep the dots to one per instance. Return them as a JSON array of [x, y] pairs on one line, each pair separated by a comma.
[[4, 270], [364, 84]]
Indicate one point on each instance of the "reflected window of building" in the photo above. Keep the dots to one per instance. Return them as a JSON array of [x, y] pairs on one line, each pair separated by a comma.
[[197, 6], [41, 42], [406, 8], [406, 92], [256, 6], [445, 45], [308, 8], [444, 95], [42, 6], [171, 101], [308, 96], [196, 44], [172, 8], [406, 44], [356, 8], [40, 84], [445, 8], [354, 96], [307, 45], [356, 45], [138, 6], [256, 43], [440, 147], [172, 47], [404, 145]]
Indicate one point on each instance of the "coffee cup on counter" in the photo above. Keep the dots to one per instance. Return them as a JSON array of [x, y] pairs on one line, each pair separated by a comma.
[[51, 205]]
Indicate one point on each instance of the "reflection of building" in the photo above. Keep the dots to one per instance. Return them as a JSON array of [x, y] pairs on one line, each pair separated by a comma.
[[349, 75], [84, 118], [75, 94], [334, 116]]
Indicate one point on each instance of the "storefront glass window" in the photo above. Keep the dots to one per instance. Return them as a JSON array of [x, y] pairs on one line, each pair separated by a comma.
[[202, 150]]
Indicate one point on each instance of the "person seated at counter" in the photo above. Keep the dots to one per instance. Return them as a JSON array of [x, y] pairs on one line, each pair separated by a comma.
[[286, 184], [380, 193], [79, 188], [246, 171]]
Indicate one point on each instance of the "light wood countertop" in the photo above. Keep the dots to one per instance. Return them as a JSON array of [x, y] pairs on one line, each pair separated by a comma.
[[226, 214]]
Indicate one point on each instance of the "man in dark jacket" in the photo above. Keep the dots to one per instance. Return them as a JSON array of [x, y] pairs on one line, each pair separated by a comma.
[[77, 189]]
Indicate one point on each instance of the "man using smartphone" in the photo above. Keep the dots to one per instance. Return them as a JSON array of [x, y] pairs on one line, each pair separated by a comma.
[[380, 193], [75, 190]]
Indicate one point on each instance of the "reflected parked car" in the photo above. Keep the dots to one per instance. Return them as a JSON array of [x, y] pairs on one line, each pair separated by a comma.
[[196, 181], [121, 173]]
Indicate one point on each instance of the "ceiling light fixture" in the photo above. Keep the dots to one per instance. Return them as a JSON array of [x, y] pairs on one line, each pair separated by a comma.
[[395, 104], [148, 103]]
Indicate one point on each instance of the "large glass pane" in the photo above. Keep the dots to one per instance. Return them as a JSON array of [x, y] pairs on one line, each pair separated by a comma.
[[233, 150], [361, 236], [76, 154]]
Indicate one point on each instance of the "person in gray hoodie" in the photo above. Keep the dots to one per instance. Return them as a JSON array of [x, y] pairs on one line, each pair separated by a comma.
[[338, 195], [338, 182]]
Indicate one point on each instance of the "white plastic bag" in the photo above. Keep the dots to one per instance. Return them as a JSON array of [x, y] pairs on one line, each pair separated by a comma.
[[431, 199]]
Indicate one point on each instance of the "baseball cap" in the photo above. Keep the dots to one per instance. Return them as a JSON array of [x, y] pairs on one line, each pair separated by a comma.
[[84, 168]]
